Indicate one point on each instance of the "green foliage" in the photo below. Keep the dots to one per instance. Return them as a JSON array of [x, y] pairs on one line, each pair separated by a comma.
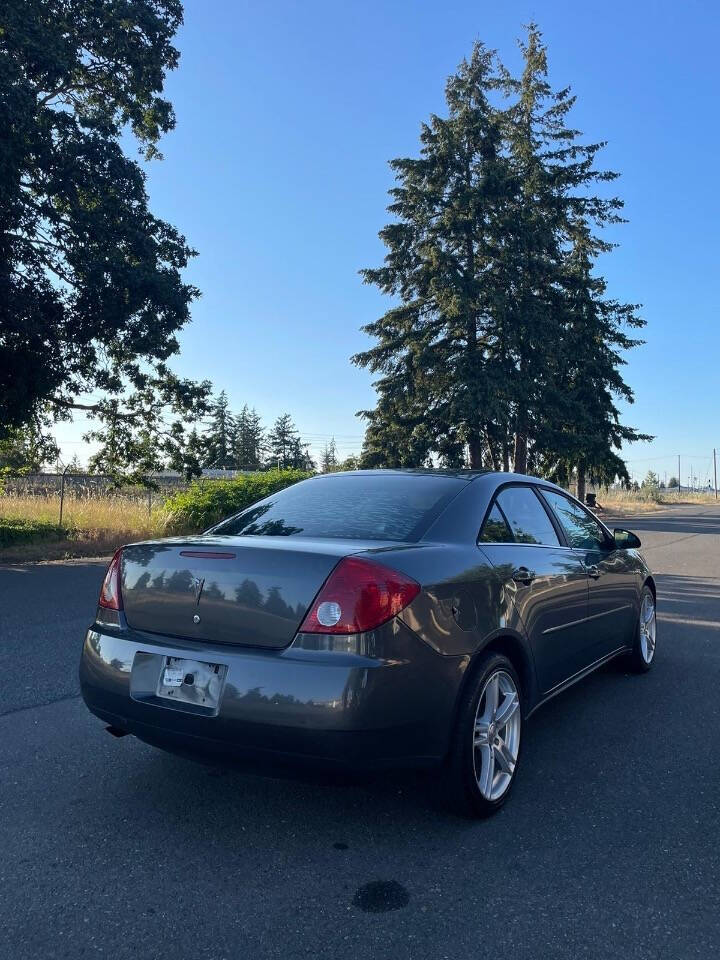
[[208, 501], [248, 440], [218, 437], [26, 449], [285, 448], [91, 292], [14, 532], [501, 347], [651, 481], [329, 460]]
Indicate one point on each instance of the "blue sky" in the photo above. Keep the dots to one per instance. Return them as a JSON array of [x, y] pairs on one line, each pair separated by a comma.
[[277, 172]]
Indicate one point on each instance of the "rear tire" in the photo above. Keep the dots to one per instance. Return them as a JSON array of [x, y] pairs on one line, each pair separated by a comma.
[[645, 642], [486, 744]]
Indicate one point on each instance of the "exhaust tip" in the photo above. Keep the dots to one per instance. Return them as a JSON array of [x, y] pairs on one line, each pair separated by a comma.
[[116, 731]]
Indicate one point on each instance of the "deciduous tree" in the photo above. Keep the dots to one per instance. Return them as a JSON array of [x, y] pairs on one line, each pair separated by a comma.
[[91, 289]]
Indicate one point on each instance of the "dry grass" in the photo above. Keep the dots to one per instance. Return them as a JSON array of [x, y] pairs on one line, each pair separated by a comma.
[[96, 526], [637, 502]]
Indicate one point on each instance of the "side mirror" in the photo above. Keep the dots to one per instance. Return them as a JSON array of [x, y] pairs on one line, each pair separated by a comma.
[[624, 540]]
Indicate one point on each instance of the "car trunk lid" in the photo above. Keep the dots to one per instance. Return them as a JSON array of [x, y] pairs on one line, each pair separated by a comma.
[[252, 591]]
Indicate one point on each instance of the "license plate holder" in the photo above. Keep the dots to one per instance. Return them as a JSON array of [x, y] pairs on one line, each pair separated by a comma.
[[195, 682]]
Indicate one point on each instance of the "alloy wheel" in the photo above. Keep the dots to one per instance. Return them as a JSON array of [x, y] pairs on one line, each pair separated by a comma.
[[496, 735], [648, 627]]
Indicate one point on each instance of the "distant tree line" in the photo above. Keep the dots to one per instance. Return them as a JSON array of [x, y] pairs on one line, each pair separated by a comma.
[[223, 441], [502, 348]]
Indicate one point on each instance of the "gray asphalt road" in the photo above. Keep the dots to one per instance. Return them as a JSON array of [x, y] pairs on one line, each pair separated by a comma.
[[608, 848]]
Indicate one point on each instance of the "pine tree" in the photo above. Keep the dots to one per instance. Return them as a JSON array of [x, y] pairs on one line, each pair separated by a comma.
[[434, 348], [328, 460], [492, 258], [248, 440], [283, 443], [582, 429], [218, 437], [558, 305]]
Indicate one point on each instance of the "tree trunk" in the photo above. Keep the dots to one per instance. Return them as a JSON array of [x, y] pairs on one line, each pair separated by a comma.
[[581, 482], [475, 451], [521, 447]]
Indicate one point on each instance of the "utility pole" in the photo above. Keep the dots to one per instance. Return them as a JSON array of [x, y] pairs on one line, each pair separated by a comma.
[[679, 484], [715, 470]]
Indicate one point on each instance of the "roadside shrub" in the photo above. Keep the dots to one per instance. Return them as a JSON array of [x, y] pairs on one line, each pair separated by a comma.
[[15, 531], [207, 501]]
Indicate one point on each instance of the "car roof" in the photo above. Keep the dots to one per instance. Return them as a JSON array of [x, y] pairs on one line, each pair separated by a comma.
[[467, 475], [408, 472]]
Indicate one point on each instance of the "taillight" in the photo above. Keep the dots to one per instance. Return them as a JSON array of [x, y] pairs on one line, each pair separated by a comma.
[[359, 595], [110, 594]]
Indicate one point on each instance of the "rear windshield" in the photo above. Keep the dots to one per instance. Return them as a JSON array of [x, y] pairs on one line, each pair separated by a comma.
[[392, 507]]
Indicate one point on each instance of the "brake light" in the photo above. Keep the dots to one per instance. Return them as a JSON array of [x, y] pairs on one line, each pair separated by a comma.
[[359, 595], [110, 594]]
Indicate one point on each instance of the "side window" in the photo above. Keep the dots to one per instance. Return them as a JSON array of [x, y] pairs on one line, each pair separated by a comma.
[[495, 529], [582, 530], [527, 517]]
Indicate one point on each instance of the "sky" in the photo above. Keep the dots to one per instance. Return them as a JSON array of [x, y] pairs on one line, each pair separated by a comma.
[[277, 173]]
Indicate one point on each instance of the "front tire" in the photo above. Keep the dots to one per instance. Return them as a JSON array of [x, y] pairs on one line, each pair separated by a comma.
[[486, 744], [643, 652]]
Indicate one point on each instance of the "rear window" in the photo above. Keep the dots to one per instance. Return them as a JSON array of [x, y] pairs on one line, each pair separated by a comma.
[[392, 507]]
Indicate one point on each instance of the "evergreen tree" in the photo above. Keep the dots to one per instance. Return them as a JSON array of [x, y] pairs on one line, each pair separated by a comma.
[[328, 460], [491, 256], [581, 431], [434, 348], [248, 440], [562, 329], [218, 453], [300, 456], [282, 443]]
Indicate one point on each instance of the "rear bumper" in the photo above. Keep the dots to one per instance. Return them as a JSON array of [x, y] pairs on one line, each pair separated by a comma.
[[300, 705]]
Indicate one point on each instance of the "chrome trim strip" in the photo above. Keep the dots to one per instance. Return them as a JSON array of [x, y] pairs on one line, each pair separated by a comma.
[[593, 616], [535, 546]]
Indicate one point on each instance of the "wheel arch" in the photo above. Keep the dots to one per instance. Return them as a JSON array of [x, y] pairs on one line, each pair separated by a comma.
[[515, 648], [650, 582]]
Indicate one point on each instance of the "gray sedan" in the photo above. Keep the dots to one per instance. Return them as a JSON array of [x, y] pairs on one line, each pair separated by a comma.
[[370, 618]]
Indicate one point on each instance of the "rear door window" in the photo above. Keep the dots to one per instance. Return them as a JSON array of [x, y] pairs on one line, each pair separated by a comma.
[[527, 517]]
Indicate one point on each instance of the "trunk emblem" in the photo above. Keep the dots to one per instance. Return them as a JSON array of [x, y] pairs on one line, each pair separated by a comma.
[[196, 585], [196, 619]]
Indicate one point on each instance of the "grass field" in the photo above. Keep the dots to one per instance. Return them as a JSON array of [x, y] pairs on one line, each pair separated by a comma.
[[95, 527], [632, 502]]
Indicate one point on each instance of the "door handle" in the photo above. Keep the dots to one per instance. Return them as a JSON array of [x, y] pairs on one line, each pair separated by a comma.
[[593, 571], [523, 575]]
